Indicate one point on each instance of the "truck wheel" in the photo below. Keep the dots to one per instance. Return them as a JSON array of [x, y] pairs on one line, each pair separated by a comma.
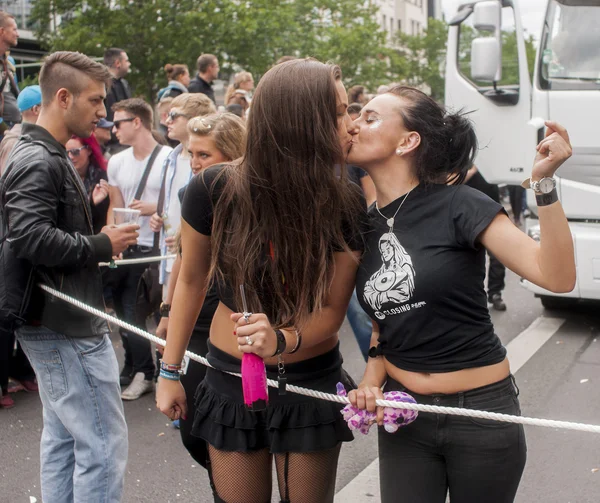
[[550, 302]]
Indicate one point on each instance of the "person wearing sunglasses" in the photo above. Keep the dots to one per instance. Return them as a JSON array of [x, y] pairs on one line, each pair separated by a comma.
[[86, 156], [132, 121], [178, 172]]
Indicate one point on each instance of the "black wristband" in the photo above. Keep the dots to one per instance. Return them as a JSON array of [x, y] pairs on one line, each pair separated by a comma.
[[281, 343], [546, 199]]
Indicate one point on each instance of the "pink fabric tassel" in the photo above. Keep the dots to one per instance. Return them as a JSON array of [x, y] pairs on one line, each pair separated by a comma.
[[254, 382]]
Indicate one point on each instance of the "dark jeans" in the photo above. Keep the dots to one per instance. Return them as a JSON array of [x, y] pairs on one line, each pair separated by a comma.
[[190, 381], [361, 325], [13, 363], [496, 271], [476, 460], [496, 274], [517, 204], [123, 283]]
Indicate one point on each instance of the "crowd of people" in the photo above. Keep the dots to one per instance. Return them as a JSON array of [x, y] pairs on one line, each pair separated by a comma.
[[322, 203]]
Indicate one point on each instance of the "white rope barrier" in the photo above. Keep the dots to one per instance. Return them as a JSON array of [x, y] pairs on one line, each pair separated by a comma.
[[454, 411], [144, 260]]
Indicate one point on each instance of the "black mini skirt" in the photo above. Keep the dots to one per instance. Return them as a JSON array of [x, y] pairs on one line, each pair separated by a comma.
[[290, 423]]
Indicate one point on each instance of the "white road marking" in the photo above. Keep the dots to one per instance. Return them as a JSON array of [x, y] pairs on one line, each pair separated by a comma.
[[528, 342], [364, 487]]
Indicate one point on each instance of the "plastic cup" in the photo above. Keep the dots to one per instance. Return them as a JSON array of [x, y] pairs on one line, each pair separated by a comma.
[[126, 216]]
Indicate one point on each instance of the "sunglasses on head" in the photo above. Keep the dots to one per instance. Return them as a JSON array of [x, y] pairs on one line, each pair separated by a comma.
[[76, 151], [119, 122], [174, 115]]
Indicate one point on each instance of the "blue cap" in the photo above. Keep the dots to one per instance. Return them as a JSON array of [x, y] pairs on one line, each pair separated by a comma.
[[105, 124], [29, 97]]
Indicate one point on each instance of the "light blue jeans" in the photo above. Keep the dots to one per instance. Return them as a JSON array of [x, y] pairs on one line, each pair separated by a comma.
[[84, 445]]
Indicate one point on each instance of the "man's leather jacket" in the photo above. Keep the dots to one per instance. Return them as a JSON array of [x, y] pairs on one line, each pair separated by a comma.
[[50, 226]]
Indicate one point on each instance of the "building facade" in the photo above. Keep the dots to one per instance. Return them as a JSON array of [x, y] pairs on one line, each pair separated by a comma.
[[406, 16]]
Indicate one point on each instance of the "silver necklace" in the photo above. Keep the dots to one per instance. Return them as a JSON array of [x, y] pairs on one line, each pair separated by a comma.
[[390, 221]]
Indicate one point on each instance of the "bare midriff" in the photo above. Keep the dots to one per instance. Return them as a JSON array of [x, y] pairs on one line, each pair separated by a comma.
[[448, 383], [221, 336]]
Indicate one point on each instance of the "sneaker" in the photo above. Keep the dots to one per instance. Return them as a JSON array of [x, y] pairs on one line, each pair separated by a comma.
[[14, 386], [6, 401], [497, 303], [30, 386], [139, 386]]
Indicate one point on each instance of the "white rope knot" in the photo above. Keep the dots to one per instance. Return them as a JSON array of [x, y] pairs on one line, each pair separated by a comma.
[[454, 411]]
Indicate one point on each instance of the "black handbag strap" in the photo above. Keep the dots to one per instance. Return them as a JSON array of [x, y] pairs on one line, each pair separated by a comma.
[[159, 208], [142, 185]]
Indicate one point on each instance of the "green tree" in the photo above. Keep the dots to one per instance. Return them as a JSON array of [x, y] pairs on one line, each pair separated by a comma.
[[420, 59], [250, 35]]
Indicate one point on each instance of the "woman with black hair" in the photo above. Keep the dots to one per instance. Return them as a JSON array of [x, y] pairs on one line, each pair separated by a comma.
[[421, 281]]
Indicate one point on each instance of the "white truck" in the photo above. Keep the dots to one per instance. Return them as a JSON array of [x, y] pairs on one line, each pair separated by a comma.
[[509, 115]]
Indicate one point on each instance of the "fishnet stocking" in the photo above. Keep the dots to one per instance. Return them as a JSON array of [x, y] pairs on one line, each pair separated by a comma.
[[241, 477], [309, 477]]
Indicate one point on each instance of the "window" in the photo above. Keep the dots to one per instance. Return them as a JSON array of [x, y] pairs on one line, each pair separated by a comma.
[[399, 24], [391, 25], [384, 22], [569, 56], [510, 57]]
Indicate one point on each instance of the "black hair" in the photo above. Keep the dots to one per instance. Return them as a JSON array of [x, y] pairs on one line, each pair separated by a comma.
[[448, 140], [112, 55]]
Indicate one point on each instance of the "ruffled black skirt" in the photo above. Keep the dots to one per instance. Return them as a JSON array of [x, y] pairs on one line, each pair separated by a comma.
[[290, 423]]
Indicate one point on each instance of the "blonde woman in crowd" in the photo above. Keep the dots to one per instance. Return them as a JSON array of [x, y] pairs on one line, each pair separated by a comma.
[[213, 139], [243, 84]]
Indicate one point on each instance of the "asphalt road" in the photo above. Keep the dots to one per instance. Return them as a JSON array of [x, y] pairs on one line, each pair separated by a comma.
[[558, 380]]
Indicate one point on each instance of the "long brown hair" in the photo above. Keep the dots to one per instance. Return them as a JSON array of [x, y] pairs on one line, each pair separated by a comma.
[[280, 215]]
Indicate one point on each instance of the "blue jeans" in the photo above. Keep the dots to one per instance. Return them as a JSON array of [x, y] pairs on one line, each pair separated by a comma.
[[361, 325], [83, 450]]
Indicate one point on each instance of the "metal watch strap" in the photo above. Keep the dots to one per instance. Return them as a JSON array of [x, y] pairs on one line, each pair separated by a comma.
[[546, 199]]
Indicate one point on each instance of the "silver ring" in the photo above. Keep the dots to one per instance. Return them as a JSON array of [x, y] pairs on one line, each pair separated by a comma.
[[246, 316], [249, 341]]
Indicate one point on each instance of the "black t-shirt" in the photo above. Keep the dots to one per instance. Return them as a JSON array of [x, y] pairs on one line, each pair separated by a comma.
[[202, 194], [423, 283], [211, 300]]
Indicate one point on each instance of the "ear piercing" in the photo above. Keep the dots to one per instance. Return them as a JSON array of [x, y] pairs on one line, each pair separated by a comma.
[[399, 151]]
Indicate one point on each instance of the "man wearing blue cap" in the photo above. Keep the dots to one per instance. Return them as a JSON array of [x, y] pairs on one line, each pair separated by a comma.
[[103, 134], [29, 103]]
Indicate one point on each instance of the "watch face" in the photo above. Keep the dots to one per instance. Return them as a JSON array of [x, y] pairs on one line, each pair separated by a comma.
[[546, 185]]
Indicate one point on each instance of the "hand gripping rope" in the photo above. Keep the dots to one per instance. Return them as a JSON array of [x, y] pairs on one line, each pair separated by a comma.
[[454, 411]]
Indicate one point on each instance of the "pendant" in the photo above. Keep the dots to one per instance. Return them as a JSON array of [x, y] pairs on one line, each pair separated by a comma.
[[390, 222]]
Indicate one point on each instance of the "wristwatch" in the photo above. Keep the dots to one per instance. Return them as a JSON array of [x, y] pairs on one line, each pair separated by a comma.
[[544, 189], [164, 310], [543, 186]]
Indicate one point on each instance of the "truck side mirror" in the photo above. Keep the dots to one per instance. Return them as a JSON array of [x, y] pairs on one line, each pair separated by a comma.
[[487, 16], [486, 65], [486, 52]]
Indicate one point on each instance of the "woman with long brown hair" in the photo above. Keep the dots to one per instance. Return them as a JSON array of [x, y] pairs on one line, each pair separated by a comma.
[[282, 224]]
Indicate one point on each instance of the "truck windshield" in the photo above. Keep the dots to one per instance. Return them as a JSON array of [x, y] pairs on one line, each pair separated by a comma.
[[570, 55]]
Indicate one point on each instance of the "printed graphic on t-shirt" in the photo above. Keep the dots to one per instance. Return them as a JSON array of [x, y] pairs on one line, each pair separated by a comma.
[[394, 282]]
